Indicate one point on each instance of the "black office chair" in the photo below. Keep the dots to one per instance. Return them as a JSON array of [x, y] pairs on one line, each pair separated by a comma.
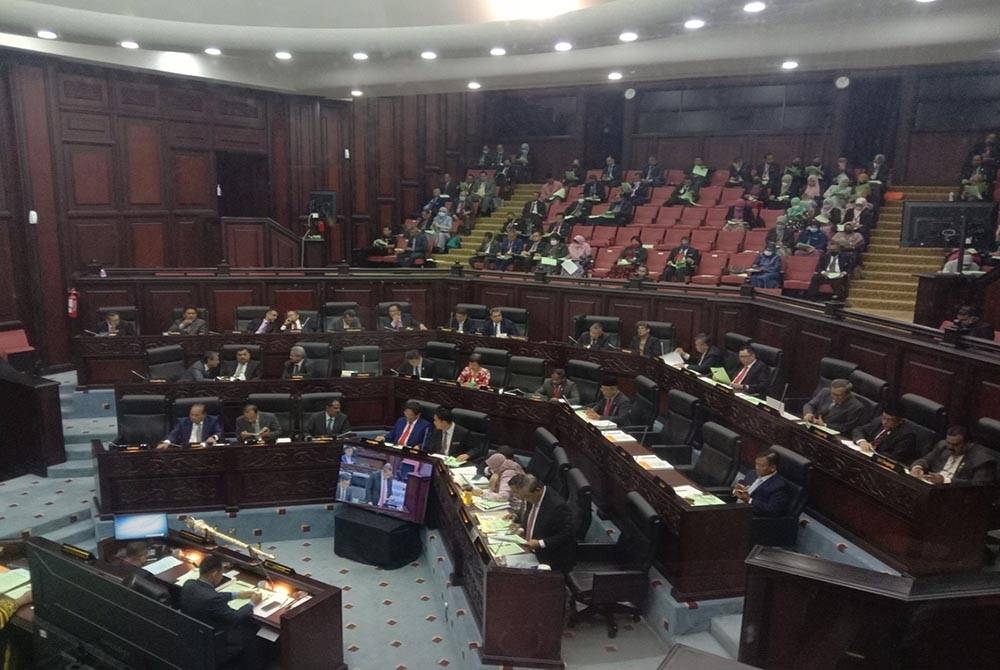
[[987, 433], [126, 314], [612, 326], [771, 357], [561, 466], [681, 426], [478, 425], [870, 392], [833, 368], [281, 405], [227, 354], [312, 316], [320, 355], [310, 403], [587, 377], [580, 496], [718, 461], [142, 419], [334, 310], [732, 343], [782, 531], [477, 315], [364, 358], [444, 355], [182, 406], [146, 584], [177, 313], [645, 406], [543, 459], [525, 373], [247, 313], [928, 420], [497, 361], [382, 312], [519, 316], [427, 408], [610, 578], [665, 332], [165, 363]]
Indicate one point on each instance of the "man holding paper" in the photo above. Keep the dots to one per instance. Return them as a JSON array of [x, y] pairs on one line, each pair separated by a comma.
[[613, 405], [255, 425], [547, 524], [705, 357], [558, 387]]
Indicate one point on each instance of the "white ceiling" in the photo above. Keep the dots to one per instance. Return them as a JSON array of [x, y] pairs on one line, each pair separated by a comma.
[[322, 35]]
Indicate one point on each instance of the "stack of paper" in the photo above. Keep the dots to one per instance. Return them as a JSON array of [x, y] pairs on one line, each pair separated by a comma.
[[190, 574], [493, 524], [162, 565], [491, 505], [618, 436], [696, 498], [602, 424], [15, 580], [673, 358], [652, 462]]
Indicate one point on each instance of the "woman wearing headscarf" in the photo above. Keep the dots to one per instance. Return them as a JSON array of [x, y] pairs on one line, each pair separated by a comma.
[[836, 197], [580, 253], [813, 191], [629, 259], [780, 198], [556, 249], [441, 229], [501, 469], [766, 269]]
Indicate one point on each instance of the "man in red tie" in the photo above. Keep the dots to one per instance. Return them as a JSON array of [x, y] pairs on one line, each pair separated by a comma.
[[613, 404], [753, 377], [379, 486], [888, 435], [410, 429]]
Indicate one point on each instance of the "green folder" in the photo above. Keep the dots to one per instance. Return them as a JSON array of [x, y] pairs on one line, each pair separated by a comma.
[[548, 260], [699, 170], [13, 579], [720, 375]]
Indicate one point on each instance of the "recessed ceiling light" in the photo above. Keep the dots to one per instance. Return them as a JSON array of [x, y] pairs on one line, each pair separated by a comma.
[[789, 65], [925, 1], [474, 85], [428, 55], [282, 55], [563, 46], [129, 44], [357, 92], [47, 35], [614, 76], [213, 51], [694, 24], [360, 55], [754, 7], [628, 36], [498, 51]]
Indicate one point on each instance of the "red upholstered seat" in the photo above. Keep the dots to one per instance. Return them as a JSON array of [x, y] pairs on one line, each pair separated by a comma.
[[673, 236], [710, 269], [582, 229], [599, 208], [554, 209], [674, 177], [715, 217], [703, 239], [670, 216], [730, 241], [770, 217], [595, 173], [659, 194], [603, 235], [719, 178], [708, 196], [645, 214], [692, 216], [742, 260], [632, 176], [755, 240], [656, 261], [604, 260], [574, 193], [626, 232], [799, 272]]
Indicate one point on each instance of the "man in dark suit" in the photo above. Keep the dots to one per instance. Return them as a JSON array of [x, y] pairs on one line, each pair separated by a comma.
[[547, 523], [768, 174], [612, 405], [594, 191], [244, 367], [510, 248], [835, 407], [448, 187], [498, 325], [681, 262], [347, 321], [378, 488], [294, 324], [450, 439], [533, 213], [200, 600], [113, 325], [264, 325], [417, 366], [595, 338], [189, 324], [298, 365], [577, 212], [652, 174], [206, 368], [889, 436], [557, 387], [410, 429], [956, 459], [832, 269], [459, 321], [416, 249], [753, 376], [327, 423], [739, 174], [969, 322], [705, 357], [766, 492], [254, 425], [612, 174], [197, 428], [399, 321]]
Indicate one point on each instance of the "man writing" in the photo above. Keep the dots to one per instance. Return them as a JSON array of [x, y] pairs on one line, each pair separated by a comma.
[[451, 439], [558, 387], [705, 357], [255, 425], [613, 405], [417, 366], [956, 459], [835, 407], [889, 436], [547, 523], [196, 430]]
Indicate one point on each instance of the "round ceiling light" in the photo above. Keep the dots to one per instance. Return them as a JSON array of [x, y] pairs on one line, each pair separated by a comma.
[[694, 24], [842, 82], [213, 51], [47, 35], [498, 51], [282, 55], [563, 46], [474, 85], [129, 44], [754, 7], [789, 65], [614, 76], [428, 55], [628, 36], [357, 92], [360, 55]]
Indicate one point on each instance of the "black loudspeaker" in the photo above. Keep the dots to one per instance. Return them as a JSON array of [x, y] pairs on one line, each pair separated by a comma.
[[939, 224], [323, 203]]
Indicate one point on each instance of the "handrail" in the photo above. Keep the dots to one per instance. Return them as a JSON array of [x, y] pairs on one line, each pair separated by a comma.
[[271, 228]]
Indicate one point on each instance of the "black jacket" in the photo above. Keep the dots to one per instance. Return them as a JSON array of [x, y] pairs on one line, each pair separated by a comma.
[[426, 369], [978, 465], [309, 369], [555, 528], [603, 342], [201, 601], [621, 405], [228, 369], [703, 363], [757, 380], [570, 391], [899, 444], [255, 324], [315, 425], [651, 349], [461, 443], [844, 417]]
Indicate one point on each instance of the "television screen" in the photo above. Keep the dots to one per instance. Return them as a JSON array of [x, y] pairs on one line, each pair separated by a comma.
[[385, 480], [140, 526]]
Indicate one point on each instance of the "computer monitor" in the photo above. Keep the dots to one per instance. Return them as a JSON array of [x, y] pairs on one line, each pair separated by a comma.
[[404, 492], [140, 526]]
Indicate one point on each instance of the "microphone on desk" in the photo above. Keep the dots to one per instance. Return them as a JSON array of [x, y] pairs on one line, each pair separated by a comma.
[[363, 361], [573, 340], [344, 436], [394, 371], [212, 332], [143, 378], [611, 346], [90, 332], [662, 351]]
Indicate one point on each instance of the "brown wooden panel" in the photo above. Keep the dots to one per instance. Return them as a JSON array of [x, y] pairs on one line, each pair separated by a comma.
[[277, 109], [573, 305], [332, 129], [188, 135], [224, 302], [194, 180], [284, 252], [929, 378], [81, 91], [239, 110], [359, 157], [542, 308], [720, 151], [95, 299], [419, 297], [244, 245], [283, 299], [875, 358], [987, 400], [410, 198], [187, 247], [453, 120], [185, 102], [810, 346], [774, 332], [686, 320], [630, 312], [678, 152], [726, 321], [433, 150], [387, 215], [498, 296], [784, 148], [143, 162], [816, 145], [159, 304], [386, 143], [240, 139], [408, 141], [97, 241], [90, 177], [366, 298], [935, 158], [8, 302], [137, 98], [80, 127], [148, 244]]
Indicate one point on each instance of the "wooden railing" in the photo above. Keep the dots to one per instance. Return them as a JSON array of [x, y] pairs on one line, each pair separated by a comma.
[[255, 242]]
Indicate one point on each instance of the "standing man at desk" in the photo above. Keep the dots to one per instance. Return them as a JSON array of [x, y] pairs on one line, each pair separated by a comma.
[[255, 425], [766, 491], [198, 428], [200, 600], [410, 429], [613, 405], [753, 377], [557, 387], [835, 407], [705, 358], [417, 366], [113, 325], [328, 422], [189, 324], [378, 489], [889, 436], [498, 325], [242, 368], [450, 439], [956, 459], [596, 338], [547, 524]]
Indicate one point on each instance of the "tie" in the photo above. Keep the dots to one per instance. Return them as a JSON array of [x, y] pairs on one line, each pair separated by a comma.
[[396, 325], [262, 328], [417, 371], [446, 441], [607, 406], [532, 516], [878, 438], [741, 375], [383, 493], [298, 368], [461, 327], [195, 433], [406, 433], [241, 371], [496, 329], [329, 425], [833, 265], [557, 391]]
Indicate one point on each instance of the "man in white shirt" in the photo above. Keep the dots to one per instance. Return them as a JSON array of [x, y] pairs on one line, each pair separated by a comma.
[[766, 492], [293, 324], [379, 487], [242, 368], [956, 459]]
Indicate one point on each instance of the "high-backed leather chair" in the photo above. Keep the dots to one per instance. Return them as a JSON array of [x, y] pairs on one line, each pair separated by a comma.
[[182, 406], [477, 315], [928, 419], [142, 419], [771, 357], [732, 343], [562, 464], [718, 461], [444, 355], [177, 313], [382, 312], [310, 315], [645, 406], [244, 314], [542, 461], [478, 425], [165, 362], [281, 405], [833, 368], [681, 426], [334, 310], [666, 333], [320, 355], [870, 392], [579, 495], [126, 313], [519, 316], [987, 433], [782, 531], [427, 408], [612, 326], [363, 358], [310, 403], [228, 352], [498, 363], [587, 377], [525, 373]]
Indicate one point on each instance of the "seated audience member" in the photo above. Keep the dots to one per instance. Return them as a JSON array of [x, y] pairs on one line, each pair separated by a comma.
[[241, 369], [552, 190], [196, 428], [578, 211], [299, 366], [498, 325], [580, 252], [971, 324], [264, 325], [782, 193], [418, 366], [533, 214], [612, 405], [878, 177], [205, 368], [441, 229], [417, 248], [410, 429], [501, 470], [813, 192], [573, 175], [556, 249], [485, 157], [254, 425], [835, 407], [957, 459], [378, 488], [863, 189], [459, 321], [474, 375], [767, 175], [797, 172], [684, 194], [559, 226], [833, 269], [113, 325], [698, 173], [612, 173], [486, 251], [482, 193], [329, 422], [498, 156], [294, 324], [448, 187], [189, 324], [523, 161], [742, 215], [974, 189], [593, 190], [968, 265], [200, 599], [978, 167], [595, 338], [753, 376], [383, 244], [782, 237], [815, 169], [811, 242], [347, 321], [558, 387], [836, 197], [651, 175], [765, 491], [400, 321], [436, 202], [739, 174], [450, 439], [850, 239], [889, 436], [504, 180], [547, 523], [682, 262], [510, 248], [621, 210], [705, 356], [644, 342], [631, 256], [766, 269], [423, 224]]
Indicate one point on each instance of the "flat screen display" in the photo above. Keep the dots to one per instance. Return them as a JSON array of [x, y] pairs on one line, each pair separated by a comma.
[[140, 526], [384, 481]]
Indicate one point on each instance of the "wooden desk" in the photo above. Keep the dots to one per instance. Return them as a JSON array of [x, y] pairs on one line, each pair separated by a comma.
[[30, 422]]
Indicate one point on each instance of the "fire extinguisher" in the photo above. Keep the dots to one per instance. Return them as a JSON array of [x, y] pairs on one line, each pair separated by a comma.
[[72, 303]]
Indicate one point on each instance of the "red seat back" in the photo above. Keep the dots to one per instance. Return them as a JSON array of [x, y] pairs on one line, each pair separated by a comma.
[[599, 208], [693, 216], [719, 177], [673, 236], [645, 214], [656, 261], [659, 194], [755, 240], [703, 239], [770, 217], [625, 232], [800, 268], [596, 173], [603, 235], [729, 240], [709, 195], [713, 264], [674, 177]]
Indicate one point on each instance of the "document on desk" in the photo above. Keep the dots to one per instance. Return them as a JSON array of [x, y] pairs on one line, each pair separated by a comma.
[[272, 602], [491, 505], [524, 561], [499, 549], [850, 444], [12, 579], [164, 564], [493, 524], [652, 462], [673, 358], [618, 436], [14, 594], [234, 586], [602, 424]]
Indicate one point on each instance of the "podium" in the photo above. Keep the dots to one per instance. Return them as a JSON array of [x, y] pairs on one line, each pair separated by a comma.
[[314, 253], [375, 539]]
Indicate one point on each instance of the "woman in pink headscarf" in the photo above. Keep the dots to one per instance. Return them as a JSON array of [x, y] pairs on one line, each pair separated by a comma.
[[812, 190], [580, 253], [501, 470]]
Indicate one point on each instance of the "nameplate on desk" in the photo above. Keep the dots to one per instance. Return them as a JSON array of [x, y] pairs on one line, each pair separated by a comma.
[[193, 537], [888, 463], [464, 516], [278, 567], [296, 378], [447, 382]]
